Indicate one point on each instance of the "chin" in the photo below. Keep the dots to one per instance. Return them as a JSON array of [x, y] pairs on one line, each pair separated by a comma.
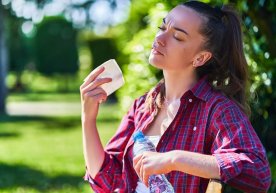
[[154, 61]]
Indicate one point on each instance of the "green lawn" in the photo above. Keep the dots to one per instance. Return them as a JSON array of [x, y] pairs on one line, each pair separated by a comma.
[[49, 97], [44, 154]]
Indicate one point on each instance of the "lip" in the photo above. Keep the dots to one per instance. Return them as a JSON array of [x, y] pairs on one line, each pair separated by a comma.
[[155, 50]]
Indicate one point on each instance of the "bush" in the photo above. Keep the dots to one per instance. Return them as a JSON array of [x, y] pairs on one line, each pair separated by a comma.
[[139, 75], [56, 49]]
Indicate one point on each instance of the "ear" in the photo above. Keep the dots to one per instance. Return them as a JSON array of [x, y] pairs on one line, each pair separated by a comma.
[[201, 58]]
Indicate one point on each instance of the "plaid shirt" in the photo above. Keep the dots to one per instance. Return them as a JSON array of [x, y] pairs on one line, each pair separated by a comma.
[[207, 122]]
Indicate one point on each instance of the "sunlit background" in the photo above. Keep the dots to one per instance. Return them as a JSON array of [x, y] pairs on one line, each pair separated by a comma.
[[98, 15], [47, 48]]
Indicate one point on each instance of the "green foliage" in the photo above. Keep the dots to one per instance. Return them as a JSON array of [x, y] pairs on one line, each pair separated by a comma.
[[35, 82], [41, 97], [18, 49], [260, 47], [55, 45], [139, 75], [102, 49]]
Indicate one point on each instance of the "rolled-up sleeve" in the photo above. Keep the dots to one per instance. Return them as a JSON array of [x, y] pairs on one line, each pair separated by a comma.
[[239, 153], [106, 179], [109, 178]]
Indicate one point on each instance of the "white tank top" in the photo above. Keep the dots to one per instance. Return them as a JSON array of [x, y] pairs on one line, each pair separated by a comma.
[[171, 113], [141, 187]]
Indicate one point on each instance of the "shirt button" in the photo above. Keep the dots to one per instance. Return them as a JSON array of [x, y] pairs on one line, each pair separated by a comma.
[[194, 128], [190, 100]]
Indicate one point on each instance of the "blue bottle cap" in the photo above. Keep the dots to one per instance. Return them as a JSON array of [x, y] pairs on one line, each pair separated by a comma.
[[138, 135]]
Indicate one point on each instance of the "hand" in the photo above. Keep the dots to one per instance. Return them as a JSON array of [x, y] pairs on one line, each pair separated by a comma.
[[92, 94], [149, 163]]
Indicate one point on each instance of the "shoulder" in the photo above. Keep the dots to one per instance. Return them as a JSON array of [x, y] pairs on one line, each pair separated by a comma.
[[226, 118], [220, 105], [140, 101]]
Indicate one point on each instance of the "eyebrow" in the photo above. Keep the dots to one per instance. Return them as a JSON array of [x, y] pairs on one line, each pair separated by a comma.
[[176, 28]]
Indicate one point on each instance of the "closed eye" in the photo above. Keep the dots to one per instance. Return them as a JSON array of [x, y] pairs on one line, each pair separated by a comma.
[[176, 36], [177, 39], [162, 28]]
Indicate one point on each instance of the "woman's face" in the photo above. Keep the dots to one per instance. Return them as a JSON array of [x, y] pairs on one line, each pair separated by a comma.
[[178, 41]]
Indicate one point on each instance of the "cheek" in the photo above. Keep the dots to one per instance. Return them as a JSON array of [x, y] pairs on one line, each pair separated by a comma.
[[179, 53], [186, 52], [182, 57]]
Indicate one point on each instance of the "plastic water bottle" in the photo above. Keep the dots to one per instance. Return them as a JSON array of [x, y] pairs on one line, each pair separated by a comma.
[[157, 183]]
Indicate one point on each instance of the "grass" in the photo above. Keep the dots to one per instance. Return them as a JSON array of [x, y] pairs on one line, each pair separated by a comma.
[[44, 154], [49, 97]]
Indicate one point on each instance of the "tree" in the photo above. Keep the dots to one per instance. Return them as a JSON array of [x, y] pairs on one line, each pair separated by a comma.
[[55, 47], [260, 21], [3, 62], [71, 8], [18, 51]]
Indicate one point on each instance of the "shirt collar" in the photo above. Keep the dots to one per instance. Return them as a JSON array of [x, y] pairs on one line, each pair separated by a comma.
[[156, 90], [200, 90]]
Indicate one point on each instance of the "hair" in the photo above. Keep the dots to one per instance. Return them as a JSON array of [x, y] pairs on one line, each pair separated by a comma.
[[227, 70]]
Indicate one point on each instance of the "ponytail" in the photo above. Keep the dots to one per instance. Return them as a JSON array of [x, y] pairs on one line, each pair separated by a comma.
[[233, 60], [227, 69]]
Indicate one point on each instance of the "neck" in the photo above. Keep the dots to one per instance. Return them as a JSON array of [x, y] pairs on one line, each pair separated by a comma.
[[177, 83]]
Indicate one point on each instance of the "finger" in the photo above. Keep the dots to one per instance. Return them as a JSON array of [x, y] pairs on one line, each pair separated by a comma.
[[146, 180], [98, 82], [91, 85], [145, 173], [100, 97], [142, 168], [92, 76], [136, 159], [137, 165], [141, 173], [94, 92]]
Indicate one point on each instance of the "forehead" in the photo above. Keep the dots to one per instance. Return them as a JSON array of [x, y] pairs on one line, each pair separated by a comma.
[[184, 17]]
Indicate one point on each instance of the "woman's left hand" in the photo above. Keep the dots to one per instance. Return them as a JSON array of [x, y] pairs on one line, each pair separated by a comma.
[[149, 163]]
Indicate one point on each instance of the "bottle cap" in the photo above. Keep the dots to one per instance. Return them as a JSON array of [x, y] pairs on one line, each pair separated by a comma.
[[138, 135]]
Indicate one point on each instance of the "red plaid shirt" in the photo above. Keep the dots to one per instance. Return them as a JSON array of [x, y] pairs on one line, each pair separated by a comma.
[[207, 122]]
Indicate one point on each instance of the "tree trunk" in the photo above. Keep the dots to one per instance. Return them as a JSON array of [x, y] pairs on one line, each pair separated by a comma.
[[3, 63]]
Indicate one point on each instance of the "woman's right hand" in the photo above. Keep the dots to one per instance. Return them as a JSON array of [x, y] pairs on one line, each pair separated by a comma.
[[92, 94]]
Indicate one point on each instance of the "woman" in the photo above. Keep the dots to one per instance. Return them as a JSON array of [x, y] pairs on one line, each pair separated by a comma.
[[197, 112]]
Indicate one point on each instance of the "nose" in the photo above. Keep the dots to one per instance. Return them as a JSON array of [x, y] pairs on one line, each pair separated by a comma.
[[160, 39]]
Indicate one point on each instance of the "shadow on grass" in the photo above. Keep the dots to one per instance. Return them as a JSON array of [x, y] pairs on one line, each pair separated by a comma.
[[58, 120], [8, 134], [49, 123], [13, 176]]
